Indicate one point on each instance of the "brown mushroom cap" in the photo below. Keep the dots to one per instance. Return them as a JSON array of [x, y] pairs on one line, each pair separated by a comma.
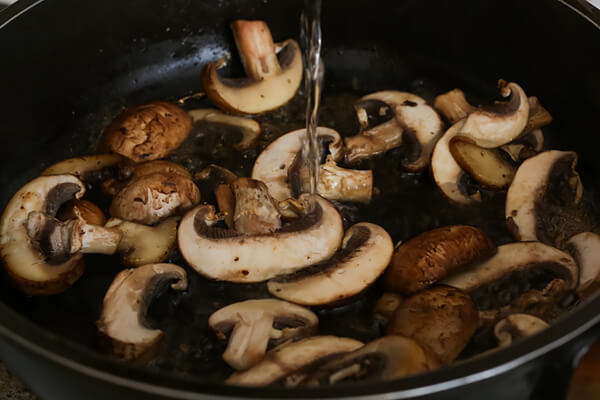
[[84, 209], [441, 319], [253, 323], [154, 197], [434, 255], [147, 131]]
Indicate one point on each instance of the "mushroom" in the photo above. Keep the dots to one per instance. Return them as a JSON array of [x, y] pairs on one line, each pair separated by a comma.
[[386, 358], [365, 253], [249, 129], [25, 260], [122, 323], [486, 166], [84, 209], [541, 185], [441, 319], [229, 255], [255, 210], [434, 255], [407, 120], [515, 270], [342, 184], [253, 323], [289, 362], [585, 249], [85, 167], [151, 198], [274, 72], [147, 131], [142, 244], [516, 326], [385, 307], [280, 164]]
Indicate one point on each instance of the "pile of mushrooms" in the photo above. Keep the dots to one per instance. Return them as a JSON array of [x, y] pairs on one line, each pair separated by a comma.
[[441, 286]]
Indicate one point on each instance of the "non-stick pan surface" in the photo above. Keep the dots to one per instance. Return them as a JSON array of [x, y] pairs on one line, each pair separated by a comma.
[[69, 67]]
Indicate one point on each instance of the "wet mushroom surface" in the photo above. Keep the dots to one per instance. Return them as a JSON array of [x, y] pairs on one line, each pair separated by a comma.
[[403, 203]]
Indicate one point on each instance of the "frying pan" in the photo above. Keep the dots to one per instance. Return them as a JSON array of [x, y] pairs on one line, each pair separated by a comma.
[[68, 67]]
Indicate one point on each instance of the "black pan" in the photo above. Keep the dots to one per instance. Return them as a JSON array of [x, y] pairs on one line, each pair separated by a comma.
[[68, 67]]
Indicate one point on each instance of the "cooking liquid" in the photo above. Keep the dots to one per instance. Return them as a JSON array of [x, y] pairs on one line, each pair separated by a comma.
[[314, 71]]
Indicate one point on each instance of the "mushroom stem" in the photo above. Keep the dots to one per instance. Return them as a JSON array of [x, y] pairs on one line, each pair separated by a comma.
[[453, 105], [96, 239], [256, 48], [226, 202], [336, 183], [248, 342], [255, 209]]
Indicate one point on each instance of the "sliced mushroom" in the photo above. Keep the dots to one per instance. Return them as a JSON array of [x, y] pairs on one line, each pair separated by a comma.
[[292, 361], [516, 269], [248, 128], [386, 358], [516, 326], [253, 323], [25, 262], [385, 307], [122, 324], [526, 146], [142, 244], [154, 197], [228, 255], [408, 121], [585, 248], [274, 72], [255, 210], [434, 255], [280, 165], [542, 185], [486, 166], [365, 253], [81, 209], [147, 131], [447, 173], [86, 167], [441, 319], [215, 175], [342, 184]]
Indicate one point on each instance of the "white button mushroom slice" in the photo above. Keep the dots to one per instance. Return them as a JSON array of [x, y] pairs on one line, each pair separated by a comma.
[[366, 252], [585, 248], [83, 167], [142, 244], [526, 146], [255, 210], [122, 324], [342, 184], [500, 123], [517, 326], [516, 268], [25, 263], [548, 179], [412, 124], [249, 128], [253, 323], [151, 198], [282, 158], [274, 72], [447, 173], [228, 255], [386, 358], [288, 361]]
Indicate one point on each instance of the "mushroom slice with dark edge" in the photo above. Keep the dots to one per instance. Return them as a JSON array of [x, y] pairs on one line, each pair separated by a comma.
[[154, 197], [434, 255], [447, 173], [290, 362], [255, 211], [486, 166], [585, 248], [407, 121], [386, 358], [122, 324], [253, 323], [526, 146], [25, 261], [441, 319], [274, 72], [280, 165], [86, 167], [142, 244], [147, 131], [248, 128], [515, 270], [229, 255], [516, 326], [365, 253], [542, 186]]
